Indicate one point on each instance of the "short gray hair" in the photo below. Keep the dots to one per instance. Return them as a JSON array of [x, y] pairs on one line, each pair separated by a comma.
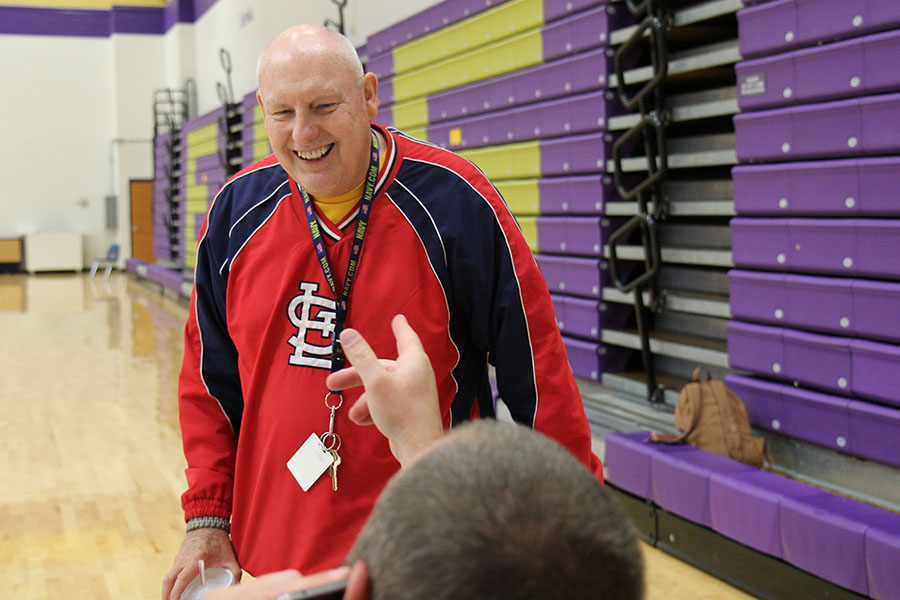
[[499, 512]]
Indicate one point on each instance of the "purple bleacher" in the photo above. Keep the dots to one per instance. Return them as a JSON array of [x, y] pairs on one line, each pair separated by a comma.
[[833, 187], [788, 24], [825, 535], [875, 369], [424, 22], [576, 154], [855, 127], [591, 359], [821, 361], [579, 236], [757, 296], [876, 309], [819, 303], [762, 398], [586, 317], [131, 264], [848, 247], [755, 348], [882, 557], [842, 365], [818, 418], [744, 506], [382, 66], [212, 116], [575, 114], [582, 73], [574, 275], [627, 464], [581, 32], [681, 480], [857, 427], [850, 68], [584, 194], [849, 543], [874, 431]]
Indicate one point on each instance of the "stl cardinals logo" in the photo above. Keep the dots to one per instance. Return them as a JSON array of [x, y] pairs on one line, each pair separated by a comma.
[[313, 316]]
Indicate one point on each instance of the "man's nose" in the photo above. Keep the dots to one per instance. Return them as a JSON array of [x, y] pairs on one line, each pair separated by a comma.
[[304, 129]]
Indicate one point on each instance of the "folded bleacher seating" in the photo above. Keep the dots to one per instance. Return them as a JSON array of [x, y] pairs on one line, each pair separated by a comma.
[[855, 127], [254, 142], [204, 144], [859, 66], [849, 543], [858, 307], [848, 247], [786, 25], [845, 187], [837, 364], [848, 425]]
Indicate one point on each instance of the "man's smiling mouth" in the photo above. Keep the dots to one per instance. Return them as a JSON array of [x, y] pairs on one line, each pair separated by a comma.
[[315, 154]]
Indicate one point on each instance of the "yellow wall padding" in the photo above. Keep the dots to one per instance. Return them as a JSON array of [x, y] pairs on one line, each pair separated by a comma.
[[518, 52], [509, 161], [522, 195], [413, 113], [528, 225], [490, 26]]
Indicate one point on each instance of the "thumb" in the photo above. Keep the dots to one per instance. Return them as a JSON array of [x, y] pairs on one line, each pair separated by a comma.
[[360, 354]]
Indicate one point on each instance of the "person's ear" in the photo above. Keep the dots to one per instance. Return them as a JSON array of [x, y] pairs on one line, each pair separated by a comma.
[[370, 93], [358, 582]]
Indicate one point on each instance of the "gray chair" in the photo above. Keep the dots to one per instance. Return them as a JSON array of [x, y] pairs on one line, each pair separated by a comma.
[[109, 261]]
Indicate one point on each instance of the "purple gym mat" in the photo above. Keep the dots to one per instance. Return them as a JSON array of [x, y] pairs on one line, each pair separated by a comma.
[[825, 535], [681, 480], [744, 506]]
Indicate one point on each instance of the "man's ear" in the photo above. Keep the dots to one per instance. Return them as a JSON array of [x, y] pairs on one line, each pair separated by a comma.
[[370, 93], [358, 582]]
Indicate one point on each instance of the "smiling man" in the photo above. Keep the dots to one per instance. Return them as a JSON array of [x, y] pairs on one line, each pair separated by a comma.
[[346, 225]]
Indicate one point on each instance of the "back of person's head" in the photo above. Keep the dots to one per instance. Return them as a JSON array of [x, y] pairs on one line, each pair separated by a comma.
[[497, 511]]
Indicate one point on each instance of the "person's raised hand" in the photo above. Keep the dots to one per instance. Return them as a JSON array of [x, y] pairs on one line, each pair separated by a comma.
[[212, 546], [400, 396]]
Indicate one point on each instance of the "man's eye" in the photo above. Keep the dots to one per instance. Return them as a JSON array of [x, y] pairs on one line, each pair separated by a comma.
[[326, 106]]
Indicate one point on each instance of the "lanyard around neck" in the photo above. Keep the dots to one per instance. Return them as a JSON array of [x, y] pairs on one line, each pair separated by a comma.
[[362, 221]]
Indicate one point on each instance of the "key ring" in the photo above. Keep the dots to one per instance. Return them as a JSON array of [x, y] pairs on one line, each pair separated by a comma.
[[335, 441], [338, 405]]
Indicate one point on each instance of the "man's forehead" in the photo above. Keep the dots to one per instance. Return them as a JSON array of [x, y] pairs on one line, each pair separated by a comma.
[[290, 93]]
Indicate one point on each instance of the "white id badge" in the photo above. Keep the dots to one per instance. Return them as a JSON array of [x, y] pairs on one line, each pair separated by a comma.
[[309, 462]]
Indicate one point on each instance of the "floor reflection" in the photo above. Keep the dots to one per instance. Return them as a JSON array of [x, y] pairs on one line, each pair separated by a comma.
[[90, 428]]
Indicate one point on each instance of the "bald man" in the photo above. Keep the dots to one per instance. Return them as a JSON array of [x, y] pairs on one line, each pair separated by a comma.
[[346, 225]]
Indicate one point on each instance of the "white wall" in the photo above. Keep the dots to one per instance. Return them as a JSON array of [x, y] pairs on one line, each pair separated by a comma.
[[56, 129], [76, 122]]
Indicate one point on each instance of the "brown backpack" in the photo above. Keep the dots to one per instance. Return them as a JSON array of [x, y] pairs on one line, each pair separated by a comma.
[[714, 419]]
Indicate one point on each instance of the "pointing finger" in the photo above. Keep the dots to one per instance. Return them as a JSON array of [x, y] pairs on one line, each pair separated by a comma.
[[360, 354]]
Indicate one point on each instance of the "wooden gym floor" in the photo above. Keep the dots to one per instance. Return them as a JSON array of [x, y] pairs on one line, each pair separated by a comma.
[[93, 470]]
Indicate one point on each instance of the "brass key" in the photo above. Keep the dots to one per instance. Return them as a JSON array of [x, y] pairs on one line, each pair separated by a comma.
[[333, 469]]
